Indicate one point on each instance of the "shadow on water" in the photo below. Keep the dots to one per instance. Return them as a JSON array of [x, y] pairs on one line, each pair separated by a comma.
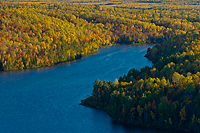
[[128, 128]]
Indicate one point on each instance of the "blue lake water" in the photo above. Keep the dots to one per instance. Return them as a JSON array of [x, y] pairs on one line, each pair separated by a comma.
[[47, 99]]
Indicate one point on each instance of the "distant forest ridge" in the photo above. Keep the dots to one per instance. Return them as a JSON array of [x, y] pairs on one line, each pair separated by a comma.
[[195, 2]]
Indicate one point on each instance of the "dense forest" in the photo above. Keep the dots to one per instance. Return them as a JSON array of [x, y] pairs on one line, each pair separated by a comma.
[[166, 95], [36, 34]]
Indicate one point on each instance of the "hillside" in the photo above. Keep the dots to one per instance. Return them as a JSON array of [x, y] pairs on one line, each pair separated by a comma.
[[34, 35]]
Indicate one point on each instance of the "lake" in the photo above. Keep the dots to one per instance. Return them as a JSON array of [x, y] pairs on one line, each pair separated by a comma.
[[47, 99]]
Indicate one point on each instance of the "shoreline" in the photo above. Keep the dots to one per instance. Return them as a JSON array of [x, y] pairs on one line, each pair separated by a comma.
[[85, 103], [76, 59]]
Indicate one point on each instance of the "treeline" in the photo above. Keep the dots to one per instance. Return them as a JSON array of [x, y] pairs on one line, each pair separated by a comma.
[[35, 35], [194, 2], [166, 95]]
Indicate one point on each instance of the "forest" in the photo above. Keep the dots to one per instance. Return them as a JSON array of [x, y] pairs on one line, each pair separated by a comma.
[[166, 95], [35, 35]]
